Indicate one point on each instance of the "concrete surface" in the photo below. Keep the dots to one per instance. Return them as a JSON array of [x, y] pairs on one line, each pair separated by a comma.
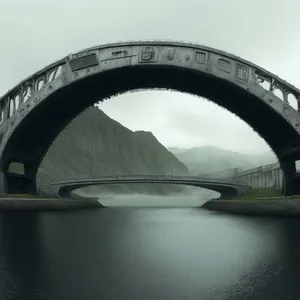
[[46, 204], [267, 207]]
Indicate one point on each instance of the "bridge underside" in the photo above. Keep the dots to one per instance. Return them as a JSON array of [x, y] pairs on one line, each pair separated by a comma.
[[59, 103], [227, 191]]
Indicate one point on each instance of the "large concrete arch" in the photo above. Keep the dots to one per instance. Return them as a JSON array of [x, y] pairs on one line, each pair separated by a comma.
[[36, 110], [227, 189]]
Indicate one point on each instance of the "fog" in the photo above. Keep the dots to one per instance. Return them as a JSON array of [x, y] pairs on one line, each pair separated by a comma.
[[141, 200], [189, 197]]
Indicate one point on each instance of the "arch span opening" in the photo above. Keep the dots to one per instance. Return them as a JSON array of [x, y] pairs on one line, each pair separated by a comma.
[[182, 121], [100, 73]]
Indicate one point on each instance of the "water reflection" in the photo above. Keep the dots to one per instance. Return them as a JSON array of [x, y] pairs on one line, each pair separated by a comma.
[[274, 275], [147, 253], [22, 264]]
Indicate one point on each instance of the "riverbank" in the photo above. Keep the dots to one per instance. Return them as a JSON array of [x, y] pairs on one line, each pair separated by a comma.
[[46, 204], [265, 206], [261, 193]]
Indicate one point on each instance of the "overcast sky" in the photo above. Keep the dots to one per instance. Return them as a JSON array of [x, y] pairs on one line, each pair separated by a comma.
[[35, 33]]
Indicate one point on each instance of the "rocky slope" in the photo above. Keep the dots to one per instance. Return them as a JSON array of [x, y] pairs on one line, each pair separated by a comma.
[[94, 144]]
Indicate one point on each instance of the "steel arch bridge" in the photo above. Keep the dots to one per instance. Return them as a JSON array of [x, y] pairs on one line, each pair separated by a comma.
[[227, 188], [35, 111]]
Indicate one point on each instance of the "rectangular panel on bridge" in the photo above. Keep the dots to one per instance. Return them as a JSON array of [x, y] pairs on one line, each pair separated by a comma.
[[84, 62]]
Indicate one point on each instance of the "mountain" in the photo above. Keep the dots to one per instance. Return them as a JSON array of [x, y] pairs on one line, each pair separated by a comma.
[[264, 158], [176, 150], [209, 159], [94, 145]]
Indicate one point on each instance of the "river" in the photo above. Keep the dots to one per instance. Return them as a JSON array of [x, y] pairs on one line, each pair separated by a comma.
[[149, 253]]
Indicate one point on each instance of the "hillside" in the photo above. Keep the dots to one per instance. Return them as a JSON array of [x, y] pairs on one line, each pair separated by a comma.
[[208, 159], [94, 145]]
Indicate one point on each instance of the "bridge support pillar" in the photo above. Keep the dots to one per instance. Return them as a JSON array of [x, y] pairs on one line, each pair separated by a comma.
[[2, 185], [227, 195], [22, 184], [290, 183]]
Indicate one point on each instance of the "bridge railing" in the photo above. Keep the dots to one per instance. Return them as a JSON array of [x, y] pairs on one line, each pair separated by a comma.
[[235, 173], [146, 176], [265, 168], [14, 100]]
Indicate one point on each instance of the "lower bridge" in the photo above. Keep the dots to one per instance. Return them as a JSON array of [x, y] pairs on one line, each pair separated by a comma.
[[227, 188]]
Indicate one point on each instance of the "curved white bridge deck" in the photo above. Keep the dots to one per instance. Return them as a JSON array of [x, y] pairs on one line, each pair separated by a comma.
[[227, 188]]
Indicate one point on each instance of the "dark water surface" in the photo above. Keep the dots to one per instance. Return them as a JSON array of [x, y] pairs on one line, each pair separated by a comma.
[[148, 253]]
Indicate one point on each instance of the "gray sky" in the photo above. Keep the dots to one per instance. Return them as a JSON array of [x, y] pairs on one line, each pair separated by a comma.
[[35, 33]]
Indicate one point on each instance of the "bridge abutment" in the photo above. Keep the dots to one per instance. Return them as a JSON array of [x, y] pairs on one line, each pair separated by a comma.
[[228, 194], [291, 184], [17, 183], [2, 185], [20, 184]]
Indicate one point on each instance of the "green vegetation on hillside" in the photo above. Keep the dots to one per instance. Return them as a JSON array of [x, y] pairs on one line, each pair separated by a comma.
[[261, 193]]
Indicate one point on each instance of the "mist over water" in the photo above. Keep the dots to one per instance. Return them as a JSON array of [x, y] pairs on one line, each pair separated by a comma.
[[180, 200]]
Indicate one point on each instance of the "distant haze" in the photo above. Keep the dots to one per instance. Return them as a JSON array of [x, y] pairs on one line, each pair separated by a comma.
[[34, 34], [210, 159], [184, 121]]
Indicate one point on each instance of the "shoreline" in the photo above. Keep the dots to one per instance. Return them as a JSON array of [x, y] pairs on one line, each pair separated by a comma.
[[46, 204], [262, 207]]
